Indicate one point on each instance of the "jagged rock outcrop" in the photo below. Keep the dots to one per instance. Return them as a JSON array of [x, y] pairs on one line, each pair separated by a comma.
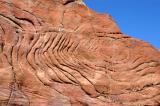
[[60, 53]]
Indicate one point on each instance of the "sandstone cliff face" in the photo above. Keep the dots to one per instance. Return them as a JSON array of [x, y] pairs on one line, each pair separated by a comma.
[[60, 53]]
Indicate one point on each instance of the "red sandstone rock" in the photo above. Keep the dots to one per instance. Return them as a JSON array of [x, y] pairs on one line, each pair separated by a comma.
[[60, 53]]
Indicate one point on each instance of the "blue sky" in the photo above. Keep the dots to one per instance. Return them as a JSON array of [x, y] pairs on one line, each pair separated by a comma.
[[137, 18]]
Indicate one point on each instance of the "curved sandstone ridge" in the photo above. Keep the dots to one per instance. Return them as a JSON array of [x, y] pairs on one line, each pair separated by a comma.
[[60, 53]]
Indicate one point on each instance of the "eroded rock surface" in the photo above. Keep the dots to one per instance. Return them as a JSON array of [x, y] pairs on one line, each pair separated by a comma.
[[60, 53]]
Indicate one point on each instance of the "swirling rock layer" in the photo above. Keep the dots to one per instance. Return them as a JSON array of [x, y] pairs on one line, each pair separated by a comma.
[[60, 53]]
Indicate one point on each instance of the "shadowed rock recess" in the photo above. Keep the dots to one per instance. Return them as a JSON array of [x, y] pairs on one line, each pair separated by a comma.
[[60, 53]]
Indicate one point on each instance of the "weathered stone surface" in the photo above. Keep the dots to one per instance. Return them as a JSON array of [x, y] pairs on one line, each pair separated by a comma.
[[60, 53]]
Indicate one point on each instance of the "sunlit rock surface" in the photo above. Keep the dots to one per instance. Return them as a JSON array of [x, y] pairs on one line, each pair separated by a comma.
[[61, 53]]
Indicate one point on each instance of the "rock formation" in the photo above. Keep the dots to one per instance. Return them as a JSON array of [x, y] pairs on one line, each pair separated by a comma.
[[60, 53]]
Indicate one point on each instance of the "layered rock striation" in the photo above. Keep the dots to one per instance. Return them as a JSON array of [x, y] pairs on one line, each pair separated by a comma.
[[60, 53]]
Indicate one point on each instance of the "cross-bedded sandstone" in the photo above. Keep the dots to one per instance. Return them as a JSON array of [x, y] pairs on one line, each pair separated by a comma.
[[60, 53]]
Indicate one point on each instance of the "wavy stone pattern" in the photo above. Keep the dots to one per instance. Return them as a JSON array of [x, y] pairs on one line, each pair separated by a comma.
[[60, 53]]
